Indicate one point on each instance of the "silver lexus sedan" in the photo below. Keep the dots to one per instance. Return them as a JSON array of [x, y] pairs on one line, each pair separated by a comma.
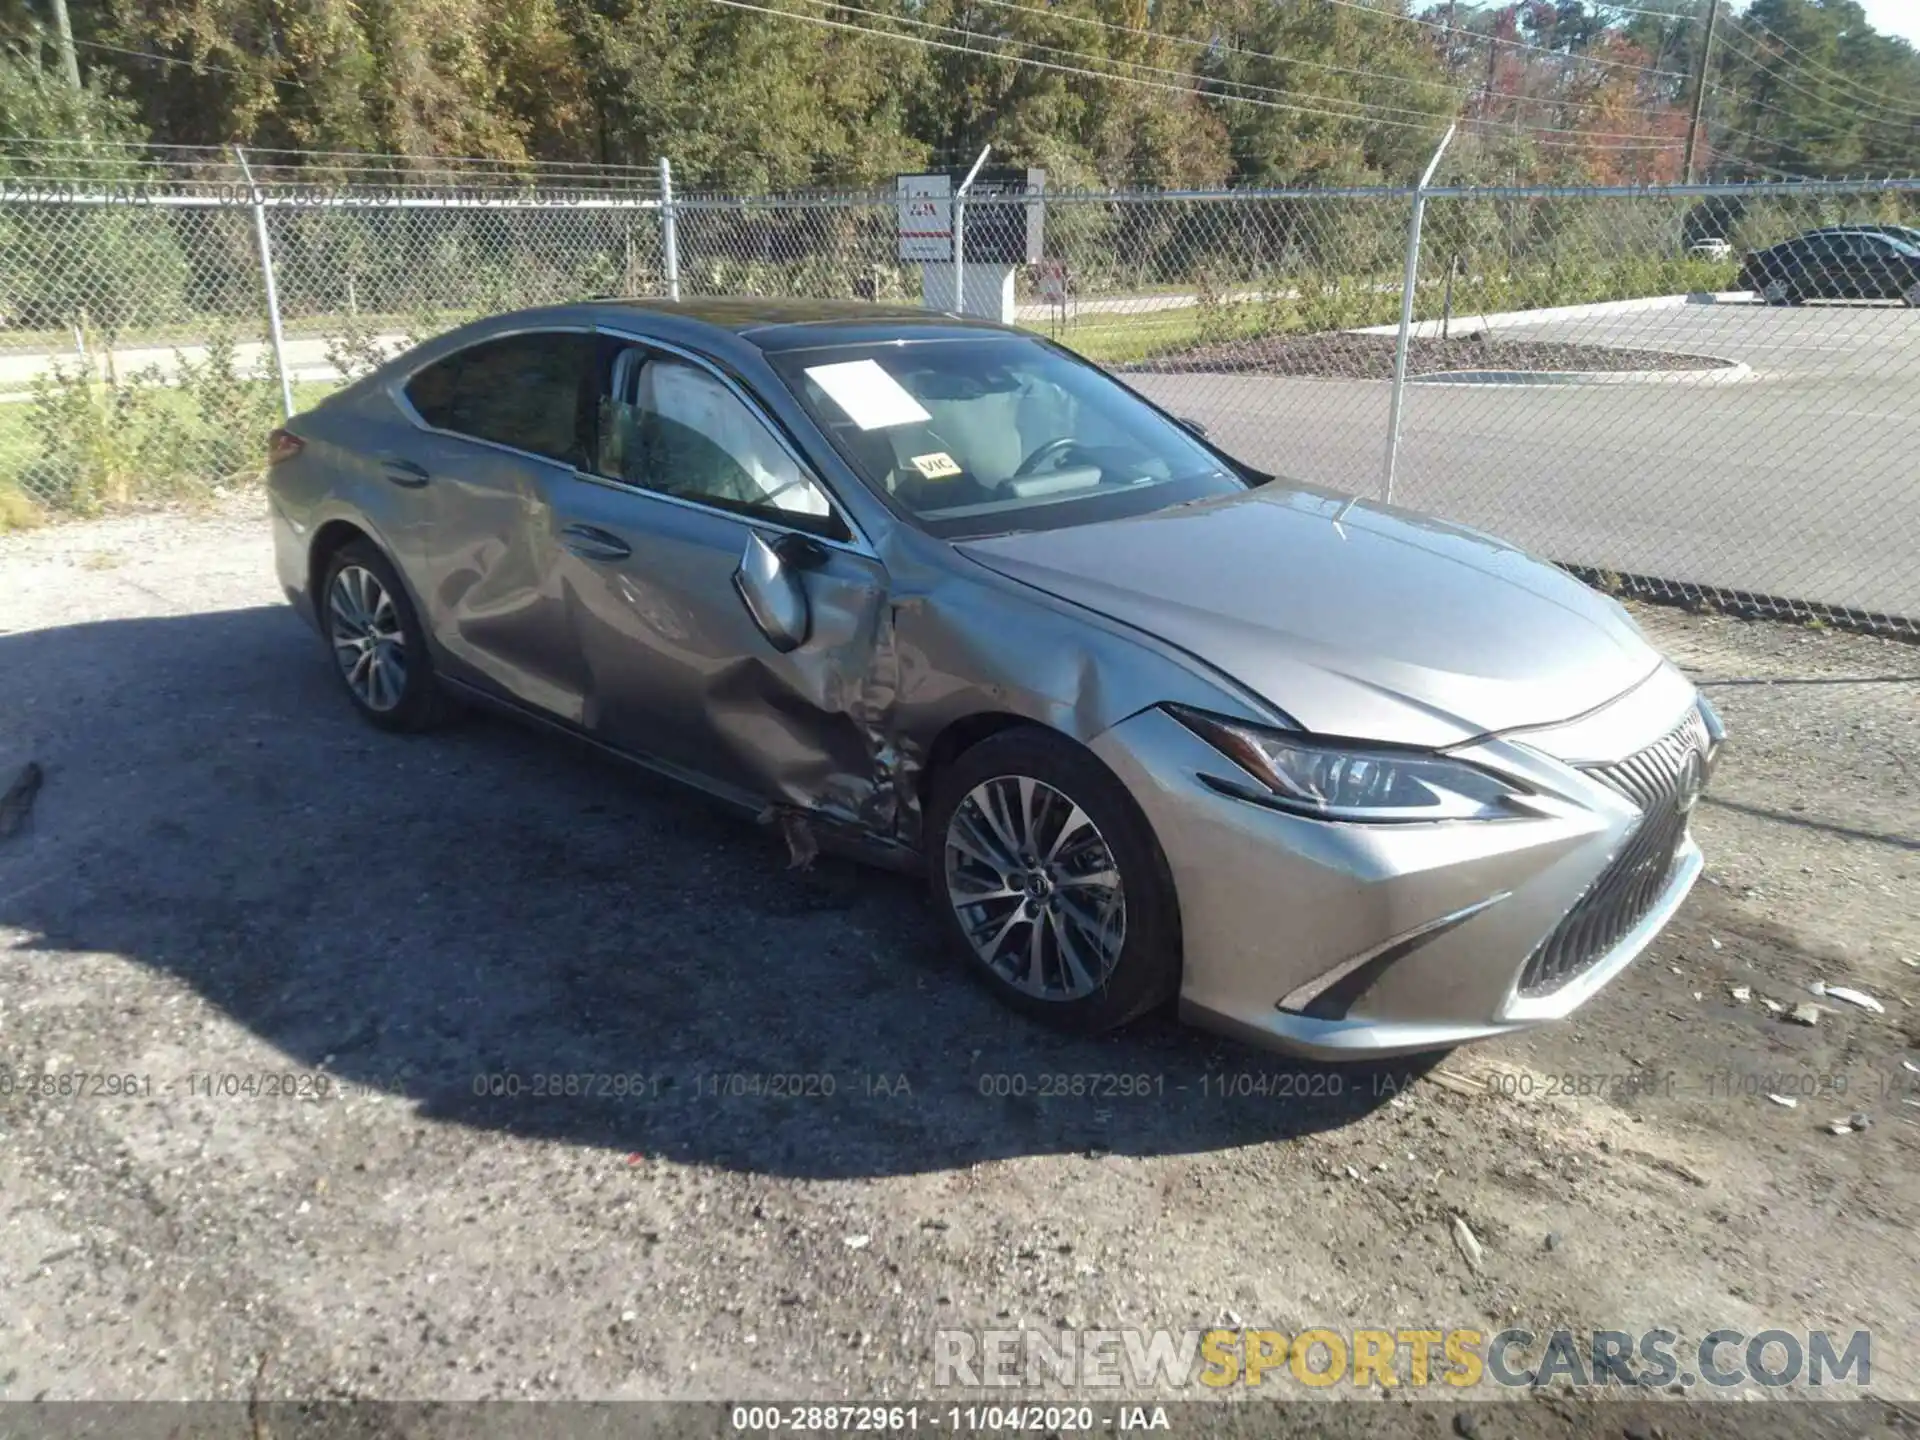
[[1345, 780]]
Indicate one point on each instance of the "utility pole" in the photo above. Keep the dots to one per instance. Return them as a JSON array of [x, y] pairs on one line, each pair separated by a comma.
[[63, 28], [1699, 87]]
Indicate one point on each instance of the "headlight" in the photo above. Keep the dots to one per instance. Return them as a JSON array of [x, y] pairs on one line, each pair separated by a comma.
[[1345, 781]]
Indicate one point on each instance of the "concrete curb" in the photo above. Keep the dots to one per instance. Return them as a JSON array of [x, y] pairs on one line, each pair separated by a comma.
[[1473, 324], [1720, 375]]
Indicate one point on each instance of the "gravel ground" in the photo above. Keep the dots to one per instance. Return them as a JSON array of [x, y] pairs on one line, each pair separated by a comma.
[[227, 875], [1343, 356]]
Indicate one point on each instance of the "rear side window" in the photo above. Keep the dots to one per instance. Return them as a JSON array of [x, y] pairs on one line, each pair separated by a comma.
[[529, 391]]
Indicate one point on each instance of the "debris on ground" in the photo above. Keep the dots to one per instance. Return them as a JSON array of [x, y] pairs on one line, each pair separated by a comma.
[[803, 848], [17, 804], [1804, 1015], [1741, 994], [1786, 1100], [1854, 997], [1469, 1245]]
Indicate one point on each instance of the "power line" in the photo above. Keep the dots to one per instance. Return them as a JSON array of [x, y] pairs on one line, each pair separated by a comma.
[[1769, 66], [1747, 24], [1215, 47], [1008, 58], [1510, 43], [196, 65], [1361, 105]]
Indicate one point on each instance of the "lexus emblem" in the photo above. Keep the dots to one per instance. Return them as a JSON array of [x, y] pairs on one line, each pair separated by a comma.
[[1693, 779]]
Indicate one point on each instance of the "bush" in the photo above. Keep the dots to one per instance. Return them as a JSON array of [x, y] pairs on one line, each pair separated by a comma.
[[130, 440]]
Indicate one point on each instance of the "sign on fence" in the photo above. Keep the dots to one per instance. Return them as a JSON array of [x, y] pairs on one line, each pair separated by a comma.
[[926, 217]]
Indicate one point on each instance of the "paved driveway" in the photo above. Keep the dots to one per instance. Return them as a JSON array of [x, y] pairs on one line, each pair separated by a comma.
[[1802, 482]]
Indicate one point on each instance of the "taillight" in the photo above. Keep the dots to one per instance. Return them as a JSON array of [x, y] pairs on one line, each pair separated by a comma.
[[283, 445]]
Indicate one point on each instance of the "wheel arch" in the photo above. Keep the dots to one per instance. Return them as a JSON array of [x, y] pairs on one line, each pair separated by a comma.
[[961, 735], [329, 540]]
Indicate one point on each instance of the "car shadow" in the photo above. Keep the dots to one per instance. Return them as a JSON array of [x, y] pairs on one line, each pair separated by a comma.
[[515, 934]]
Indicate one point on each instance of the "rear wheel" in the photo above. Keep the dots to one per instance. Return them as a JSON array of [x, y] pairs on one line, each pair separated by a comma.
[[1050, 883], [1912, 296], [1779, 292], [379, 648]]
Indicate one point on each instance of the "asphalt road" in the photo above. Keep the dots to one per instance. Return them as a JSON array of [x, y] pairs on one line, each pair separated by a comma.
[[1802, 482]]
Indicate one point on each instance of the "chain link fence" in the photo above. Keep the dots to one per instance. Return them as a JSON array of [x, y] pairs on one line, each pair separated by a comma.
[[1597, 375]]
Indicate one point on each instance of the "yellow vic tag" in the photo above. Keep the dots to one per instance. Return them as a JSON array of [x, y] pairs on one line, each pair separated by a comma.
[[937, 466]]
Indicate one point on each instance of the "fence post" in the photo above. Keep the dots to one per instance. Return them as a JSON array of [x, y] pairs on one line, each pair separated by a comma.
[[266, 276], [1406, 315], [960, 233], [669, 230]]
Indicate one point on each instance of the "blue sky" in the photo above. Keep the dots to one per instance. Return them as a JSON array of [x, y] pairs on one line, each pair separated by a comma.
[[1894, 17]]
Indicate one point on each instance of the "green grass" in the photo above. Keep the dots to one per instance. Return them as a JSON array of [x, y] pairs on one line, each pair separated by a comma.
[[1122, 339], [21, 451]]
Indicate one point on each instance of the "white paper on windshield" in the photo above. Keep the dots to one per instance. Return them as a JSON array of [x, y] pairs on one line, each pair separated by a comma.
[[872, 398]]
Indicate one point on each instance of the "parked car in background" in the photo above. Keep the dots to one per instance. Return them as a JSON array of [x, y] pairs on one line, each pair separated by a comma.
[[1910, 234], [1344, 779], [1710, 250], [1835, 264]]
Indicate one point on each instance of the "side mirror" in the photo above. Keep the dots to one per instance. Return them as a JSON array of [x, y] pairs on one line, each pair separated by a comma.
[[770, 588], [1192, 424]]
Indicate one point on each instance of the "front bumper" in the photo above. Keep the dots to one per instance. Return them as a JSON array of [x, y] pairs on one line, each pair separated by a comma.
[[1342, 941]]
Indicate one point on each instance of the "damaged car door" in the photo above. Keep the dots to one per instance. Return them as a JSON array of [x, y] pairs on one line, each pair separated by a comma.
[[727, 617], [504, 423]]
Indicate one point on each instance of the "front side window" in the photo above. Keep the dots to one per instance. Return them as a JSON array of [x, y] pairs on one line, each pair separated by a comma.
[[984, 436], [527, 391], [670, 426]]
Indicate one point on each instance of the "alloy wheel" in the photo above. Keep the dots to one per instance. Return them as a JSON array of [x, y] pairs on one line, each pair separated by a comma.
[[368, 642], [1035, 888]]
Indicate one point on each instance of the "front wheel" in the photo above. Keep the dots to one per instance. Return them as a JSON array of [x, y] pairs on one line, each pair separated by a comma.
[[1778, 292], [1912, 296], [1050, 883]]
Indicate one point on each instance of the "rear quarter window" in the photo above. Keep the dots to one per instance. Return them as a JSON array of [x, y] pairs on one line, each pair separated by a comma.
[[528, 391]]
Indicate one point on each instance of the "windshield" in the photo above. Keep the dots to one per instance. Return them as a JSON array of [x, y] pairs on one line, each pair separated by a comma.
[[998, 434]]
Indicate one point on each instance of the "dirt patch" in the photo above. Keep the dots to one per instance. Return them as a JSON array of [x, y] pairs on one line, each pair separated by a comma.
[[440, 1068], [1343, 356]]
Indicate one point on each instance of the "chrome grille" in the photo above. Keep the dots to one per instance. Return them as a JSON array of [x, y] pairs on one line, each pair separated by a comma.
[[1634, 879], [1647, 776]]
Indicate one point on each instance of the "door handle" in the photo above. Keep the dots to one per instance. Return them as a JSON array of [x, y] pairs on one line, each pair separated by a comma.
[[590, 542], [404, 472]]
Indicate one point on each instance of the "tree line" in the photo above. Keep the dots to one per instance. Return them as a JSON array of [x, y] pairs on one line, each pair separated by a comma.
[[753, 95]]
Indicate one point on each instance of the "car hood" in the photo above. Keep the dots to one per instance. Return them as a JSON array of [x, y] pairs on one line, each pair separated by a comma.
[[1361, 620]]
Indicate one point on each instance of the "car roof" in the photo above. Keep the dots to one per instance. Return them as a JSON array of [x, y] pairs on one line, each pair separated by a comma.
[[774, 325], [1864, 228]]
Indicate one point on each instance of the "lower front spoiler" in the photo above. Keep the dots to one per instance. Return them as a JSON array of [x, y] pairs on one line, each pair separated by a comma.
[[1361, 1038]]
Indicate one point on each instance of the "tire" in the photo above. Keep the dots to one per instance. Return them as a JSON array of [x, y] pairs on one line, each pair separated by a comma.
[[1912, 296], [1779, 292], [1133, 943], [376, 640]]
